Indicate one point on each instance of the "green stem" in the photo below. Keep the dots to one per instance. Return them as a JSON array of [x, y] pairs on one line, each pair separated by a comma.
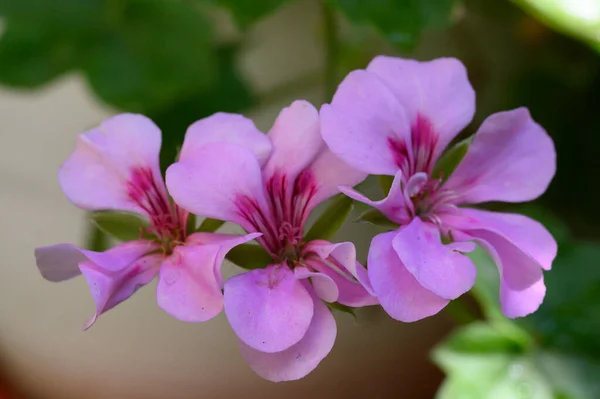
[[459, 312], [332, 52]]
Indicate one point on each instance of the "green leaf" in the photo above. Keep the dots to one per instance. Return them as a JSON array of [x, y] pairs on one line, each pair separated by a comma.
[[154, 53], [190, 226], [374, 216], [385, 182], [400, 22], [249, 256], [571, 377], [209, 225], [124, 226], [331, 219], [96, 239], [341, 308], [247, 12], [451, 158]]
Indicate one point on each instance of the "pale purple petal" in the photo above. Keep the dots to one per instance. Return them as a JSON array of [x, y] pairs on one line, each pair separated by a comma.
[[296, 140], [217, 181], [438, 90], [527, 234], [187, 286], [363, 122], [322, 284], [222, 126], [301, 358], [108, 159], [268, 309], [399, 293], [437, 267], [112, 282], [511, 159]]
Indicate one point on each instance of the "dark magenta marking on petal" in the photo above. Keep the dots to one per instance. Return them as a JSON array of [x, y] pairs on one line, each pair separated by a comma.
[[424, 140]]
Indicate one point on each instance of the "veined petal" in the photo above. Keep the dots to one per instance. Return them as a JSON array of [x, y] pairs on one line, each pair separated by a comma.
[[220, 179], [528, 235], [301, 358], [116, 277], [399, 293], [296, 140], [437, 267], [225, 127], [511, 159], [107, 160], [268, 309], [363, 123], [438, 90], [61, 262]]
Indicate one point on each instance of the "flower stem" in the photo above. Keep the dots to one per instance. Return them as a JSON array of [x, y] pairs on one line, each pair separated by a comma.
[[332, 52]]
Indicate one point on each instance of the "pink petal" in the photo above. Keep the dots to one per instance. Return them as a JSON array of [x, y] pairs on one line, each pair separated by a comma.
[[395, 206], [361, 122], [301, 358], [399, 293], [232, 128], [187, 286], [268, 308], [296, 140], [322, 284], [528, 235], [329, 173], [117, 274], [511, 159], [106, 159], [216, 180], [439, 90], [437, 267]]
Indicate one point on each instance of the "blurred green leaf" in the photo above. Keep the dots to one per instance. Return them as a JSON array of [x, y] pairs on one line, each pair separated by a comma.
[[124, 226], [400, 22], [209, 225], [342, 308], [385, 183], [247, 12], [451, 158], [332, 218], [374, 216], [155, 53], [190, 226], [96, 239], [249, 256]]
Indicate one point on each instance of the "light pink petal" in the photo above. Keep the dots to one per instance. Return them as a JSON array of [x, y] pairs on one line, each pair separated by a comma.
[[438, 90], [301, 358], [108, 158], [112, 282], [216, 181], [362, 122], [437, 267], [527, 234], [511, 159], [322, 284], [395, 206], [296, 140], [222, 126], [187, 286], [61, 262], [399, 293], [268, 309], [329, 173]]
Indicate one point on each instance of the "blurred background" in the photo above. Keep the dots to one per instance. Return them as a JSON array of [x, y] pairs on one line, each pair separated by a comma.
[[65, 65]]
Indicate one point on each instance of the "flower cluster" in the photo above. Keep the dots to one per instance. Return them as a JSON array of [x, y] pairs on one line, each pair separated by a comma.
[[395, 118]]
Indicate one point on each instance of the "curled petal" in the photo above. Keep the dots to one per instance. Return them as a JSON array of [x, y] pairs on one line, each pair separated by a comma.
[[437, 267], [108, 159], [323, 285], [511, 159], [301, 358], [363, 122], [268, 309], [220, 179], [225, 127], [437, 89], [111, 283], [398, 291]]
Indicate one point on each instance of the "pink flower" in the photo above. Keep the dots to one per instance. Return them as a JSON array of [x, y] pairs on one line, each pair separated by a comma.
[[115, 167], [395, 118], [284, 328]]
